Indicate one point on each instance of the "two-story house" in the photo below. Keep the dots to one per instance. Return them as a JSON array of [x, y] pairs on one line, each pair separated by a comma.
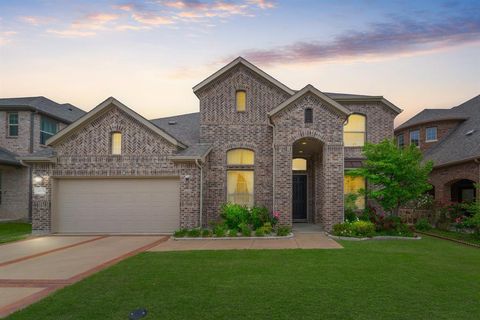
[[451, 139], [27, 123], [254, 141]]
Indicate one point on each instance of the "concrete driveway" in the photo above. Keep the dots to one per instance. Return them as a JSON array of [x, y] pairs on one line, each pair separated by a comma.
[[32, 269]]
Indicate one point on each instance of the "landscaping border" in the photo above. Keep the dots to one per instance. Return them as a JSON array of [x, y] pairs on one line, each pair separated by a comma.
[[449, 239], [289, 236], [378, 238]]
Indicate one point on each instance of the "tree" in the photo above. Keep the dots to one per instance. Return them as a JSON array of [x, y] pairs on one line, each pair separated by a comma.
[[397, 175]]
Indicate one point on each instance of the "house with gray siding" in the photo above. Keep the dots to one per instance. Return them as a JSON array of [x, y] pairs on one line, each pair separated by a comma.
[[254, 141]]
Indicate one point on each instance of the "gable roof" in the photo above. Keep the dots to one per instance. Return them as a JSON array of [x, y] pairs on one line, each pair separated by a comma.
[[185, 127], [66, 112], [98, 109], [430, 115], [250, 66], [310, 89], [463, 142]]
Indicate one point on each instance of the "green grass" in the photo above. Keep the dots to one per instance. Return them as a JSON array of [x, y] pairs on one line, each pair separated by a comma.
[[425, 279], [467, 237], [13, 231]]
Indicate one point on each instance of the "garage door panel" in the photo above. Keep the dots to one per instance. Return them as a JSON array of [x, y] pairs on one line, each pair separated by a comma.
[[116, 205]]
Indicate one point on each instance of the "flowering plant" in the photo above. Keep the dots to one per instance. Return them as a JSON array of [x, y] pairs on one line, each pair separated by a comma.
[[275, 217]]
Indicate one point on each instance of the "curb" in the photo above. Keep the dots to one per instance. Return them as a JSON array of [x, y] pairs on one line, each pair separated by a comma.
[[234, 238], [376, 238]]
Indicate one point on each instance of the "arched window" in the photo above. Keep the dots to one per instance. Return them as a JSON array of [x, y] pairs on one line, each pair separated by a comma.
[[299, 164], [354, 131], [240, 176], [241, 100], [116, 143], [308, 115]]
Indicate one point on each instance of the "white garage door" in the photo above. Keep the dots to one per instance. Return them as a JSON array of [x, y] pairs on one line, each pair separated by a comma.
[[116, 205]]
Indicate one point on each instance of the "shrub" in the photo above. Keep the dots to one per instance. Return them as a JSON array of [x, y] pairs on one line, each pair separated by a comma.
[[258, 216], [343, 229], [180, 233], [232, 233], [260, 232], [194, 233], [423, 225], [350, 207], [363, 228], [234, 214], [267, 226], [206, 233], [219, 230], [283, 231], [245, 230]]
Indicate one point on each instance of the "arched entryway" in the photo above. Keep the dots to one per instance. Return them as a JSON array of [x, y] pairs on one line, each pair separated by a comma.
[[462, 190], [307, 156]]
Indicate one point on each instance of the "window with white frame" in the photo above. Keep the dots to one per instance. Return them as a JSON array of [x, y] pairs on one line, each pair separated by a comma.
[[48, 128], [12, 124], [354, 131], [431, 134], [241, 100], [116, 142], [240, 176], [415, 137]]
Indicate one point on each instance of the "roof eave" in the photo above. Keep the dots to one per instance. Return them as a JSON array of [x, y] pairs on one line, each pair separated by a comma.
[[372, 99], [37, 159], [33, 109], [401, 127], [455, 162]]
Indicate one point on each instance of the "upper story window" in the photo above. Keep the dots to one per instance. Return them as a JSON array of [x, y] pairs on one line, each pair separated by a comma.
[[400, 141], [48, 128], [354, 131], [240, 176], [116, 143], [415, 137], [299, 164], [308, 116], [12, 124], [241, 100], [431, 134]]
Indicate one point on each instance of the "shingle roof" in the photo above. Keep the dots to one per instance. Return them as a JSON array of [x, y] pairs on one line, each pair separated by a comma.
[[185, 127], [195, 151], [431, 115], [463, 142], [336, 95], [65, 112], [7, 157]]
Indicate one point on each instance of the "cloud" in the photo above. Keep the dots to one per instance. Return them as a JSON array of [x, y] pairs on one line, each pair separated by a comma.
[[6, 37], [87, 26], [36, 20], [151, 19], [398, 36], [263, 4]]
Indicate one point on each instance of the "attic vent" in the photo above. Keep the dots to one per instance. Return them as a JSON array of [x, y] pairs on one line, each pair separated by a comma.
[[70, 109], [469, 132], [172, 122]]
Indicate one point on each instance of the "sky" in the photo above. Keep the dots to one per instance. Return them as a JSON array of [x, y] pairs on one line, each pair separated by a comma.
[[149, 54]]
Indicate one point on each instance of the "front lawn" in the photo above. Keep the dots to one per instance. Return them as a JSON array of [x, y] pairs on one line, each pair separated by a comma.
[[425, 279], [13, 231], [467, 237]]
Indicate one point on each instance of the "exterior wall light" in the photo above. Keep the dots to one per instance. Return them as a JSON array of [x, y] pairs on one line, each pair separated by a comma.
[[37, 179]]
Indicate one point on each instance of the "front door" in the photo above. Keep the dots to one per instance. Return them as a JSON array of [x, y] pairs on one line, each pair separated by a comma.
[[299, 202]]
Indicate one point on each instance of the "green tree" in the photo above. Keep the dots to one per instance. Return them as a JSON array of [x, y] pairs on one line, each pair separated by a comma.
[[397, 175]]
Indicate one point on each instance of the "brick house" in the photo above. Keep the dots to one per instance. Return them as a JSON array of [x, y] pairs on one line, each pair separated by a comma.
[[254, 141], [26, 125], [451, 139]]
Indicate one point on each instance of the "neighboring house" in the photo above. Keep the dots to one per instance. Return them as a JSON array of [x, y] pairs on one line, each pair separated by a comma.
[[27, 123], [254, 141], [451, 139]]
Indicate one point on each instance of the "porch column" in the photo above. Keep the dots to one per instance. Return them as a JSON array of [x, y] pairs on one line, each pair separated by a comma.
[[332, 186], [283, 183]]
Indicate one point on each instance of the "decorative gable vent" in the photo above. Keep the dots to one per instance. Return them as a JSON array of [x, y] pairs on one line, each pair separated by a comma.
[[172, 122]]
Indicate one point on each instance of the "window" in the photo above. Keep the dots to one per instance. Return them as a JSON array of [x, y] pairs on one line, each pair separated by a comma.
[[354, 131], [431, 134], [308, 115], [48, 128], [299, 164], [415, 137], [116, 143], [13, 124], [353, 185], [400, 141], [241, 100], [240, 176]]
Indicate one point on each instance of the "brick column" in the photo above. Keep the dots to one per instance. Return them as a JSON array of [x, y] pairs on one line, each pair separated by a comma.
[[332, 187], [283, 183]]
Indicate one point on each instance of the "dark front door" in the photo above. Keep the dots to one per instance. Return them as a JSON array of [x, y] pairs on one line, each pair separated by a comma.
[[299, 197]]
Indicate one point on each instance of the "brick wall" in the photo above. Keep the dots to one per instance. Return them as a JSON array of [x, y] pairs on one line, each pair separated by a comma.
[[14, 188]]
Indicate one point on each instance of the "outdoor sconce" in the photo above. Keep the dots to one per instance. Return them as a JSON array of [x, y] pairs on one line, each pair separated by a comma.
[[186, 178], [37, 179]]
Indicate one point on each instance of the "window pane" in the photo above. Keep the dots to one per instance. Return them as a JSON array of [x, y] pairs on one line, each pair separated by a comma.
[[13, 118], [13, 130], [353, 185], [240, 156], [240, 187], [48, 125], [415, 137], [354, 139], [400, 141], [116, 143], [356, 123], [299, 164], [241, 98], [431, 134], [308, 115]]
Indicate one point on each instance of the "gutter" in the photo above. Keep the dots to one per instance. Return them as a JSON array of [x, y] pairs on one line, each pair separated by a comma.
[[201, 192]]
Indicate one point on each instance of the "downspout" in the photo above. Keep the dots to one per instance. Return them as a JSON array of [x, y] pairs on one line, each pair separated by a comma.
[[270, 123], [201, 192]]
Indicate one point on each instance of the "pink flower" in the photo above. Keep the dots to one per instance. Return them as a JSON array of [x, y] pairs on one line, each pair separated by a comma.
[[276, 214]]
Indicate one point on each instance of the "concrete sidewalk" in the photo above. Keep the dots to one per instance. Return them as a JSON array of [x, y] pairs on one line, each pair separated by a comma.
[[313, 240]]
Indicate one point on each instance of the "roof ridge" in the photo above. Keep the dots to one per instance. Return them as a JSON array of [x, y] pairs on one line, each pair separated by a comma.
[[178, 115]]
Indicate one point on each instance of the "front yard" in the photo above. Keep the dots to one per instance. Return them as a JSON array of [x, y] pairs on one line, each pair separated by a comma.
[[13, 231], [426, 279]]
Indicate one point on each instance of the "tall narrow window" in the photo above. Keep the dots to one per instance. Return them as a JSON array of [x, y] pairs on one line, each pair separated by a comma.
[[308, 115], [415, 137], [400, 141], [241, 100], [240, 176], [354, 131], [48, 128], [431, 134], [13, 124], [354, 185], [116, 143]]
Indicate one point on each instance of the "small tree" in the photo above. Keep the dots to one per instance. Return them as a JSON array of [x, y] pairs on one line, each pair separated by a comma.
[[397, 175]]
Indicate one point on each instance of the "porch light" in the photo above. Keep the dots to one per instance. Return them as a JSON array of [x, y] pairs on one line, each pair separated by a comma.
[[304, 142], [300, 151], [37, 179]]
